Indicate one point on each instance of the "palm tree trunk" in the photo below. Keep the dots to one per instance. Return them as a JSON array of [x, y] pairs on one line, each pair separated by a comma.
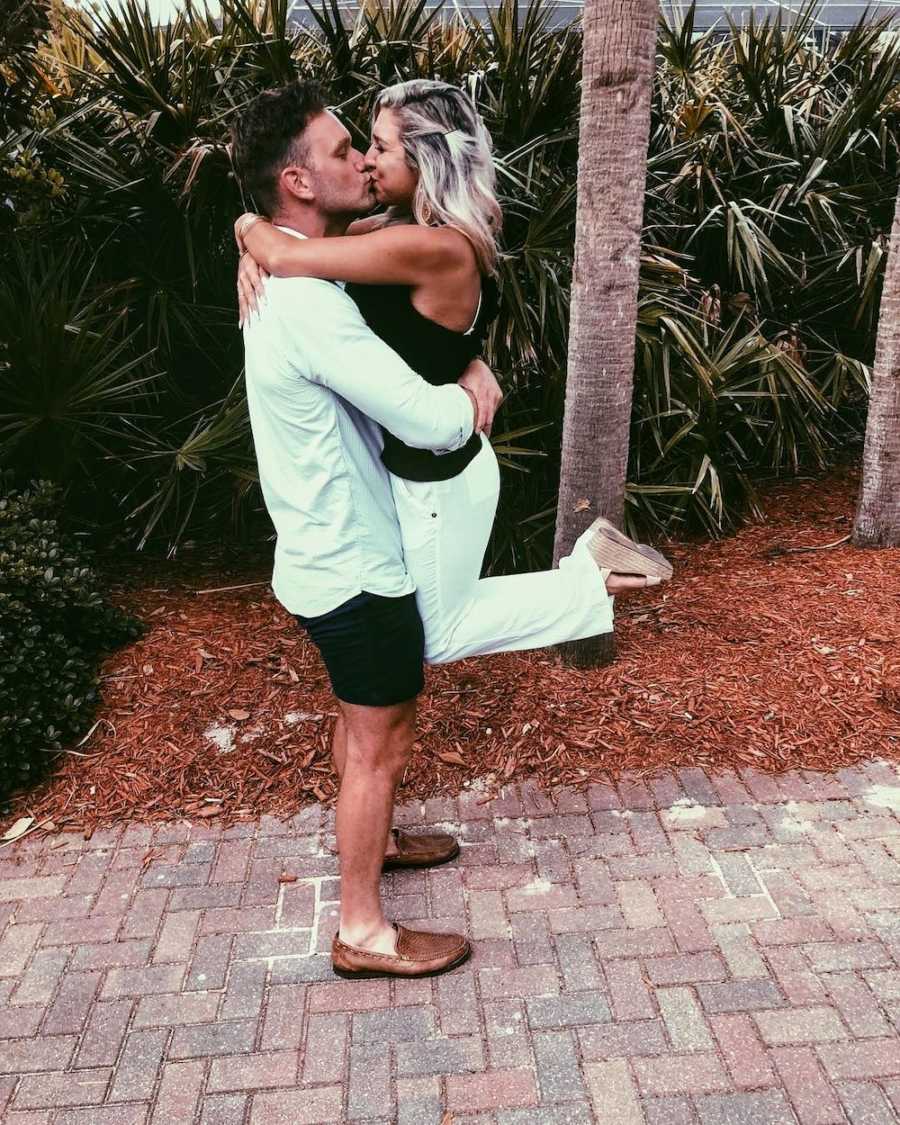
[[877, 521], [617, 79]]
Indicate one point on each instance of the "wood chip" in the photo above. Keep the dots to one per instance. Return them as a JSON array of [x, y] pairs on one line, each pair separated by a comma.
[[764, 654]]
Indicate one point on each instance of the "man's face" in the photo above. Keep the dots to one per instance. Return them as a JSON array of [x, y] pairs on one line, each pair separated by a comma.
[[336, 170]]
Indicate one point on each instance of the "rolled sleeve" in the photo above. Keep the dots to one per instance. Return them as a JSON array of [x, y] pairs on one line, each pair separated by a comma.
[[346, 356]]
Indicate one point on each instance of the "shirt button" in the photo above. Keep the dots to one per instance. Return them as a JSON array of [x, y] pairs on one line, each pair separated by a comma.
[[434, 515]]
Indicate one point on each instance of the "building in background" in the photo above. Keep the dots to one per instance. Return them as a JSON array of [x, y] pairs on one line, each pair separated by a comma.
[[836, 14]]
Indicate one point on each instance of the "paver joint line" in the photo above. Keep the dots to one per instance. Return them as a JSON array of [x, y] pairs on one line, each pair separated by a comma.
[[721, 947]]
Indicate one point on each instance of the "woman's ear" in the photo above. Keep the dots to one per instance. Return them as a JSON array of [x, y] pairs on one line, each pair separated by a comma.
[[297, 182]]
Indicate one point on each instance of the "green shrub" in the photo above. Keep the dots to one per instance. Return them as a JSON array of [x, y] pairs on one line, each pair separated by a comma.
[[54, 625]]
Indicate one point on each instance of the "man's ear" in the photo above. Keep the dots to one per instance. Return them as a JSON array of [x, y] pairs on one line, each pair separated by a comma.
[[297, 182]]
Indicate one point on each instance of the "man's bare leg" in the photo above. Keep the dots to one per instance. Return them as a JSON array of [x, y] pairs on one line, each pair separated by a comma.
[[339, 745], [339, 757], [377, 745]]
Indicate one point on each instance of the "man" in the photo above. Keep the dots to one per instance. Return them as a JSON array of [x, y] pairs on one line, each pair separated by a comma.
[[319, 385]]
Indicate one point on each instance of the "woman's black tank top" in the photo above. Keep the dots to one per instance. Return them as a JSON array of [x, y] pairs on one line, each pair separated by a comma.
[[438, 354]]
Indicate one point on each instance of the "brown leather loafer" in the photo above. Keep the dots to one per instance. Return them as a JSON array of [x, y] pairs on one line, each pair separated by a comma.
[[420, 851], [419, 954]]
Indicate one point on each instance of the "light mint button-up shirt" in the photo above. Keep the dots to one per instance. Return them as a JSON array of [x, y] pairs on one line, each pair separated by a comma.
[[319, 384]]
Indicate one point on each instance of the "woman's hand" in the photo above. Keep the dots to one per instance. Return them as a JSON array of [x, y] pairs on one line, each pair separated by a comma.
[[251, 287]]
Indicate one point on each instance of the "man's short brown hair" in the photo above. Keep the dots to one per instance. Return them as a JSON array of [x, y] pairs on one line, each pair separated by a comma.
[[267, 136]]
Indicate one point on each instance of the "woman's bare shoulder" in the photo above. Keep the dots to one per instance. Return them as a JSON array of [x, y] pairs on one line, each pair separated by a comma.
[[440, 247]]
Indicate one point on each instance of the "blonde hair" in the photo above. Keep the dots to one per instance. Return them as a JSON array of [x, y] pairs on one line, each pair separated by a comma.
[[446, 142]]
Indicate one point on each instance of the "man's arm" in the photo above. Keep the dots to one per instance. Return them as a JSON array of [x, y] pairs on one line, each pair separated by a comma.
[[345, 355]]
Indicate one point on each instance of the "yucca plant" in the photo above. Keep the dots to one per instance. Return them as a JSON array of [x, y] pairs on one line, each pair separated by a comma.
[[771, 182], [24, 24], [75, 384]]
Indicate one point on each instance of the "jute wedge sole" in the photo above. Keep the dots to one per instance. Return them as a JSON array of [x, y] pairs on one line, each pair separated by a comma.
[[612, 550]]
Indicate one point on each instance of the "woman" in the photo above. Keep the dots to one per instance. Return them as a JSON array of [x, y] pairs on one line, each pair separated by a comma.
[[422, 275]]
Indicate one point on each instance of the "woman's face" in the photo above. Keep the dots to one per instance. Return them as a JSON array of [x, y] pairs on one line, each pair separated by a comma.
[[393, 181]]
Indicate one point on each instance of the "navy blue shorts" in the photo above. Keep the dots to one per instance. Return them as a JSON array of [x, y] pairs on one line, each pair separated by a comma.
[[373, 648]]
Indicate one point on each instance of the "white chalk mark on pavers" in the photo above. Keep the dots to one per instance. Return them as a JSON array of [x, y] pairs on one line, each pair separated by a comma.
[[536, 887], [883, 796]]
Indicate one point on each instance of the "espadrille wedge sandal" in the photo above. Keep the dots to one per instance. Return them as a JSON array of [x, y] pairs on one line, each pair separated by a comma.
[[614, 552]]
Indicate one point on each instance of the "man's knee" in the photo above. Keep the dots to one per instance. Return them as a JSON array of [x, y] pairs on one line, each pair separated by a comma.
[[374, 723], [380, 737], [387, 755]]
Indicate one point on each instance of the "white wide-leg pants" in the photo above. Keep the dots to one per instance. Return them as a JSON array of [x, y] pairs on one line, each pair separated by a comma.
[[445, 526]]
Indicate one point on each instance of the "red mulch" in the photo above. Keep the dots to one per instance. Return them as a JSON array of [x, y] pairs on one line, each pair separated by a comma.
[[750, 657]]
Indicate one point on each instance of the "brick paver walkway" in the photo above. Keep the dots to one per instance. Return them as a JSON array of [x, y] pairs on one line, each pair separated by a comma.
[[714, 949]]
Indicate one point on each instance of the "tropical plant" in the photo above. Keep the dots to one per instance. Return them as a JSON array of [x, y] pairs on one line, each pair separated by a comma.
[[26, 184], [771, 181], [73, 378], [54, 625], [23, 25]]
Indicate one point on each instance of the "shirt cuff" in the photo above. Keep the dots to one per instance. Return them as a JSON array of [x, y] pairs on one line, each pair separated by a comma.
[[467, 425]]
